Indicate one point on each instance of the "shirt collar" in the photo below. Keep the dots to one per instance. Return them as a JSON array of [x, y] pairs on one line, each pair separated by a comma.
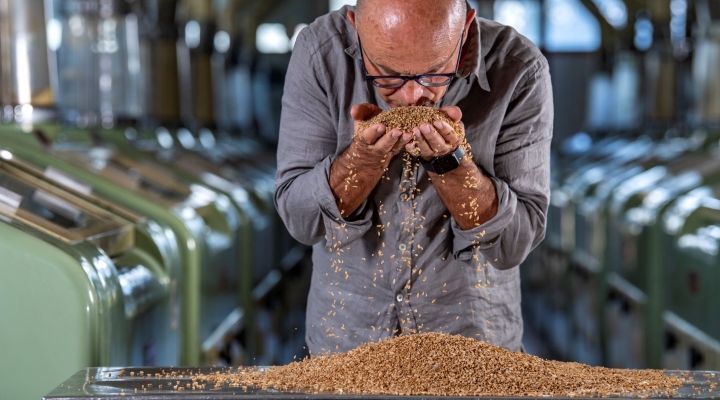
[[473, 60]]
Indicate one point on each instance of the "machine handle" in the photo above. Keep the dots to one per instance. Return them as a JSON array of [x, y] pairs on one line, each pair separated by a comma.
[[96, 139], [42, 137]]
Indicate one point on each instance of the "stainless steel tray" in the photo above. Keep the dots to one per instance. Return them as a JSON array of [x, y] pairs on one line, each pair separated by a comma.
[[106, 384]]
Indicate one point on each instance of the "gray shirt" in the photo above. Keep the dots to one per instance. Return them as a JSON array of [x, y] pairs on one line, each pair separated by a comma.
[[401, 263]]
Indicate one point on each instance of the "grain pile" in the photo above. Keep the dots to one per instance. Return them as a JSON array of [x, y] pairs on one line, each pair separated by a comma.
[[407, 118], [440, 364]]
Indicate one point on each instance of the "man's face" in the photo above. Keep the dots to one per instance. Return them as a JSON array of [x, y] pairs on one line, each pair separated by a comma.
[[412, 93], [394, 48]]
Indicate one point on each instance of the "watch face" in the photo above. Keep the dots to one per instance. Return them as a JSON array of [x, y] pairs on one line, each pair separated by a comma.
[[445, 164]]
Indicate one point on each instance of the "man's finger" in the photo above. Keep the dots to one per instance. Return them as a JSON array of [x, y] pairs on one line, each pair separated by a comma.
[[402, 141], [444, 129], [410, 146], [371, 134], [436, 142], [451, 136], [453, 112], [361, 112], [387, 142], [426, 151]]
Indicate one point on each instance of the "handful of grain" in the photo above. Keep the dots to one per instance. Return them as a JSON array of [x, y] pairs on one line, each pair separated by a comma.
[[407, 118], [447, 365]]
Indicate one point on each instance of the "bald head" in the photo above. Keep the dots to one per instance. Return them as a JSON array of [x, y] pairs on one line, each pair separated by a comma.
[[418, 17], [411, 37], [458, 7], [406, 31]]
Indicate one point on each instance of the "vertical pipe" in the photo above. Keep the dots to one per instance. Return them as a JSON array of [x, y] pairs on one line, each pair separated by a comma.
[[5, 65]]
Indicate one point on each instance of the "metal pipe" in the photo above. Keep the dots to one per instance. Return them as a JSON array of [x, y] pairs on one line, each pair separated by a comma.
[[24, 77]]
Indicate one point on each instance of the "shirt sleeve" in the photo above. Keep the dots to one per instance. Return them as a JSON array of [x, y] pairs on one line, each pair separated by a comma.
[[307, 147], [522, 178]]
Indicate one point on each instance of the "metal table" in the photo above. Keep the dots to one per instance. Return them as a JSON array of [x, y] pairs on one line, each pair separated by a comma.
[[106, 384]]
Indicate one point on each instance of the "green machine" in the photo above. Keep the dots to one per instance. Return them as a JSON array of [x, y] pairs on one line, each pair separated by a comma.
[[79, 285], [204, 223], [576, 187], [692, 335], [203, 49], [588, 261], [636, 261], [586, 272], [247, 187], [201, 157], [91, 68], [193, 170], [588, 192], [551, 307], [690, 324]]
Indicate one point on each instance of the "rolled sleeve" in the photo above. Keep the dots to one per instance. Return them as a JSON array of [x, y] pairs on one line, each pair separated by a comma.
[[307, 147], [339, 231], [485, 235], [522, 181]]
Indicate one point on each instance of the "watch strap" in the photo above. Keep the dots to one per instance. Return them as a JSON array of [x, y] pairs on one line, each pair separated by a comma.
[[445, 163]]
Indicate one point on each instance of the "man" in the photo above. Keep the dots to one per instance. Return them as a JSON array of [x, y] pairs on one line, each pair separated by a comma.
[[403, 244]]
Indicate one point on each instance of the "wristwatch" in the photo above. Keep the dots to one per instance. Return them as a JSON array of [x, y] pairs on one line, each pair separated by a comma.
[[444, 164]]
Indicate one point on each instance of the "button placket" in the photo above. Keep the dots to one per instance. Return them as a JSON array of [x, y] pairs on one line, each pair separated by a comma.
[[409, 216]]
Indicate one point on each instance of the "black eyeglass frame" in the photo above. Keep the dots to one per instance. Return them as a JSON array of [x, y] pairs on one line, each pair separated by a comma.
[[406, 78]]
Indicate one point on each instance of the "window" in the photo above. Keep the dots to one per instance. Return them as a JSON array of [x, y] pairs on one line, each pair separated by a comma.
[[272, 38], [338, 4], [570, 27], [614, 12], [523, 15]]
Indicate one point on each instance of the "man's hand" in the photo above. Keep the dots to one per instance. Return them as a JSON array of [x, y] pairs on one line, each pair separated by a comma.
[[439, 138], [356, 172], [468, 194], [373, 143]]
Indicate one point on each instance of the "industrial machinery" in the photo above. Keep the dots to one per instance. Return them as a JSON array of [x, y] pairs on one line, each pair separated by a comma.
[[611, 264], [237, 167], [647, 308], [635, 276], [209, 146], [578, 185], [691, 334], [83, 282], [200, 53], [611, 320], [552, 283], [204, 222], [588, 264]]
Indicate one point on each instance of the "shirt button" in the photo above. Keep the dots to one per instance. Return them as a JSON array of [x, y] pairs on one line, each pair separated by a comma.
[[399, 298], [404, 197], [402, 247]]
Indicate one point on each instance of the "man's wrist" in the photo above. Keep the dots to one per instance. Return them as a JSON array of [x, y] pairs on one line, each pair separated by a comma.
[[445, 163], [366, 158], [465, 164]]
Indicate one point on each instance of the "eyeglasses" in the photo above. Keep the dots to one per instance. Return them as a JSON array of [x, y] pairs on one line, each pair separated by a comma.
[[396, 81]]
